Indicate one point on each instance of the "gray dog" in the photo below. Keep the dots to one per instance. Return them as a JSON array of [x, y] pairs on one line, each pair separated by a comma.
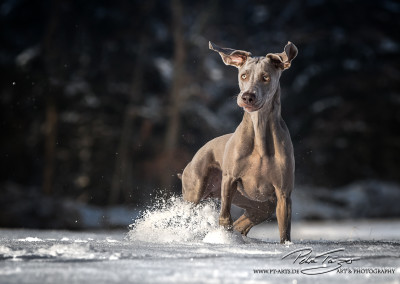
[[253, 167]]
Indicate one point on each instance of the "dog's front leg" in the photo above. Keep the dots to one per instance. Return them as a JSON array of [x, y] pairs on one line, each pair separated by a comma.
[[284, 215], [228, 190]]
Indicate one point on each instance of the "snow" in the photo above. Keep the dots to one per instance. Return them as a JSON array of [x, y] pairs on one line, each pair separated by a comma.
[[175, 221], [30, 239], [165, 68], [361, 199], [180, 221], [27, 55], [175, 242], [221, 236]]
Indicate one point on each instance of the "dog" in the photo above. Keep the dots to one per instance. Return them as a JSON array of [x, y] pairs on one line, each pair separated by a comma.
[[253, 167]]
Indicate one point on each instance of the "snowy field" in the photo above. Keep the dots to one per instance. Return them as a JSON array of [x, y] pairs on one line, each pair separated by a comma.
[[176, 243]]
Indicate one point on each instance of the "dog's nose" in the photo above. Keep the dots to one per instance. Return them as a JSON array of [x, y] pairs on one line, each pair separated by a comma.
[[249, 98]]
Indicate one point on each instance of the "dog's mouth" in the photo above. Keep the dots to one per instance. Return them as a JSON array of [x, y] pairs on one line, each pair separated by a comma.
[[249, 108], [250, 103]]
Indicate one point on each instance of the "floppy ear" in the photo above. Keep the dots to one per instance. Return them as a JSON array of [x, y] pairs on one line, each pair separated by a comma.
[[284, 59], [230, 56]]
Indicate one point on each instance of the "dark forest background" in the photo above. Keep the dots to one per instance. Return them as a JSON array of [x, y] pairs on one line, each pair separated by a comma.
[[103, 102]]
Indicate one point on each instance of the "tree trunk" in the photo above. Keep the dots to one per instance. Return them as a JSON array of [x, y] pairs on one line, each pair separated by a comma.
[[175, 97], [50, 133], [51, 113]]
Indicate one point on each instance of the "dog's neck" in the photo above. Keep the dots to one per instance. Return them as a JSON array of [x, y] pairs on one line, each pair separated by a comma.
[[263, 127]]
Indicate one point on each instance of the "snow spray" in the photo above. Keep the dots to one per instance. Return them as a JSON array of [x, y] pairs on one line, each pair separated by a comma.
[[179, 221]]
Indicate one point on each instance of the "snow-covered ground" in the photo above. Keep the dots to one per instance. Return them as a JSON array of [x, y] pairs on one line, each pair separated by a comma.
[[182, 244]]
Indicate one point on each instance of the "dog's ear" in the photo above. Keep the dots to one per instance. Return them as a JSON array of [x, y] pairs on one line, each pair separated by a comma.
[[284, 59], [230, 56]]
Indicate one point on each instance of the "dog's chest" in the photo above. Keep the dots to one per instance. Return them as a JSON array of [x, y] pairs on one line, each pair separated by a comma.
[[256, 179]]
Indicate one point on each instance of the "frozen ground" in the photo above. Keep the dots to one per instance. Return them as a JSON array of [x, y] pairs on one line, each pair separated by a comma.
[[177, 243]]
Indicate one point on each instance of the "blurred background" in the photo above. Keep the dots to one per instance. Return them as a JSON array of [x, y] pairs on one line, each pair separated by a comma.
[[104, 102]]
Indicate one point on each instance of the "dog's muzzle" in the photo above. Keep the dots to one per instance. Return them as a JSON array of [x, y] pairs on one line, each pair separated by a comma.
[[248, 101]]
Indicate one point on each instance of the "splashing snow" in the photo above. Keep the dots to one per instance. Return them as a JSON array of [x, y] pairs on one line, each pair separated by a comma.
[[179, 221]]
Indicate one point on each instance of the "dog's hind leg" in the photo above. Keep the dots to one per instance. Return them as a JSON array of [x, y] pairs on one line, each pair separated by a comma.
[[196, 187], [202, 176], [255, 213], [192, 185]]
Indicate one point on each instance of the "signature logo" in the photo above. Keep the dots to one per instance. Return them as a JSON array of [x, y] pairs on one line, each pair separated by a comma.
[[319, 263]]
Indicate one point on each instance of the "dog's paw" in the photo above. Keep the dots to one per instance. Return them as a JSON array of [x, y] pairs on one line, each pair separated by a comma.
[[226, 223], [244, 230]]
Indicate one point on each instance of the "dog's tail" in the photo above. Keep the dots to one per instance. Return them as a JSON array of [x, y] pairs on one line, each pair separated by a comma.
[[179, 175]]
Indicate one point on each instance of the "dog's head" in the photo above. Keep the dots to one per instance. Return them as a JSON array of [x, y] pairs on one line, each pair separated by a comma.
[[258, 76]]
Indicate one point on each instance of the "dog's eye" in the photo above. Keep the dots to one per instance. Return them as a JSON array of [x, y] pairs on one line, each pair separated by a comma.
[[266, 78], [244, 76]]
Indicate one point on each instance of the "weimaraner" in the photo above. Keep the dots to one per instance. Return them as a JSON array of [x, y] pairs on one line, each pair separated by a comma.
[[253, 167]]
